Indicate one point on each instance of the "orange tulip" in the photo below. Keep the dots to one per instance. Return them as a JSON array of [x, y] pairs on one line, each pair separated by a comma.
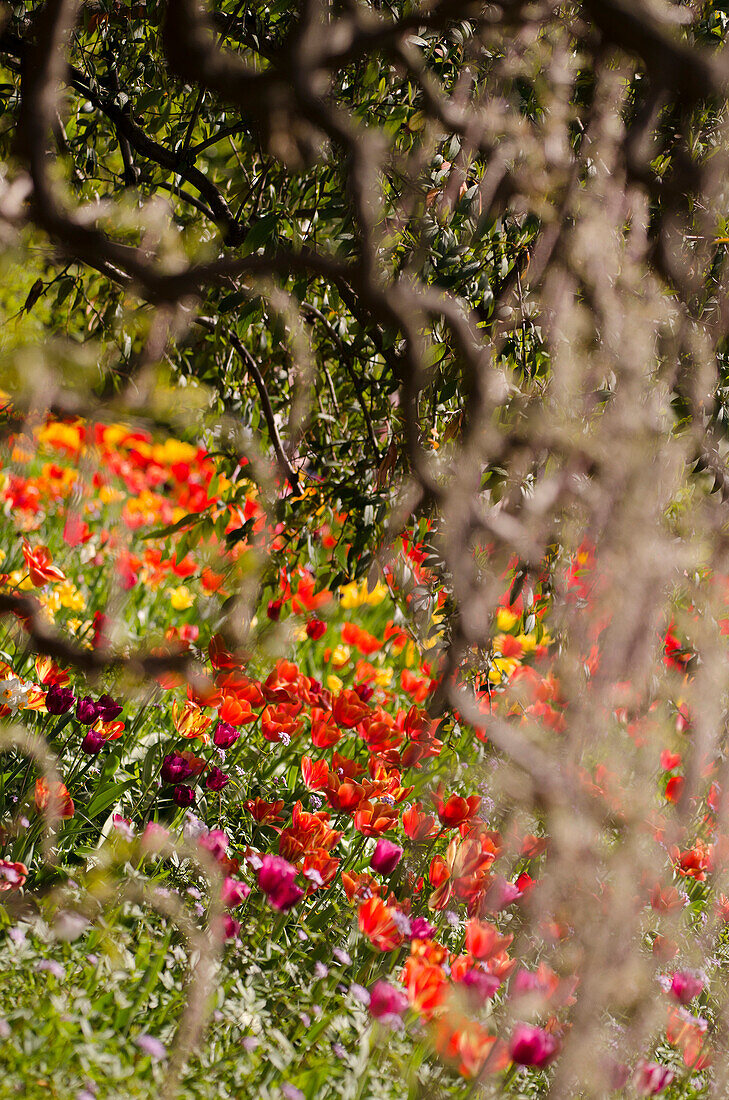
[[44, 792], [38, 561], [377, 922]]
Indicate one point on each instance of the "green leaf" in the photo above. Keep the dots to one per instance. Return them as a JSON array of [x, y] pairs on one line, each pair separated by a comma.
[[106, 797], [261, 233], [190, 520], [148, 767]]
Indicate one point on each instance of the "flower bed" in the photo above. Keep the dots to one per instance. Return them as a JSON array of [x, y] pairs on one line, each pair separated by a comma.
[[279, 846]]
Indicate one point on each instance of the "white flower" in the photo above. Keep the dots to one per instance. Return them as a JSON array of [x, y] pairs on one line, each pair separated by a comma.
[[14, 693]]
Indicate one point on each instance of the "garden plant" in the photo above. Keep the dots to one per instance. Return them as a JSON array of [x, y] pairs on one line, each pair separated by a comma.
[[364, 549]]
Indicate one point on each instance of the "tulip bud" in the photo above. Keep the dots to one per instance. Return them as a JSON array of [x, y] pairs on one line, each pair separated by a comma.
[[87, 711], [92, 743], [385, 857], [225, 735], [183, 795], [216, 780], [315, 629], [59, 700]]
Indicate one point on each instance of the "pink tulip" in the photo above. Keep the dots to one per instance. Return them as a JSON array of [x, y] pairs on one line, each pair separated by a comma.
[[501, 894], [234, 892], [532, 1046], [385, 857], [216, 843], [685, 986], [276, 879], [481, 984], [652, 1078], [231, 927], [387, 1002]]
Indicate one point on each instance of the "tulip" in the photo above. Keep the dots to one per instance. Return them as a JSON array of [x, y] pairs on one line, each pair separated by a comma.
[[183, 795], [216, 779], [54, 792], [225, 735], [386, 1002], [92, 743], [38, 562], [315, 628], [421, 929], [234, 892], [175, 768], [481, 984], [385, 857], [532, 1046], [378, 921], [87, 711], [216, 843], [456, 809], [501, 894], [315, 773], [107, 708], [276, 878], [348, 709], [685, 986], [59, 700], [483, 940], [651, 1078], [525, 982], [231, 927], [12, 875], [617, 1074]]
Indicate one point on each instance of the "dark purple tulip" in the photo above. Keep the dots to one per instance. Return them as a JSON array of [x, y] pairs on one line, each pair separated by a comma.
[[385, 857], [107, 707], [364, 691], [87, 711], [175, 768], [183, 795], [59, 700], [225, 735], [216, 780], [92, 743]]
